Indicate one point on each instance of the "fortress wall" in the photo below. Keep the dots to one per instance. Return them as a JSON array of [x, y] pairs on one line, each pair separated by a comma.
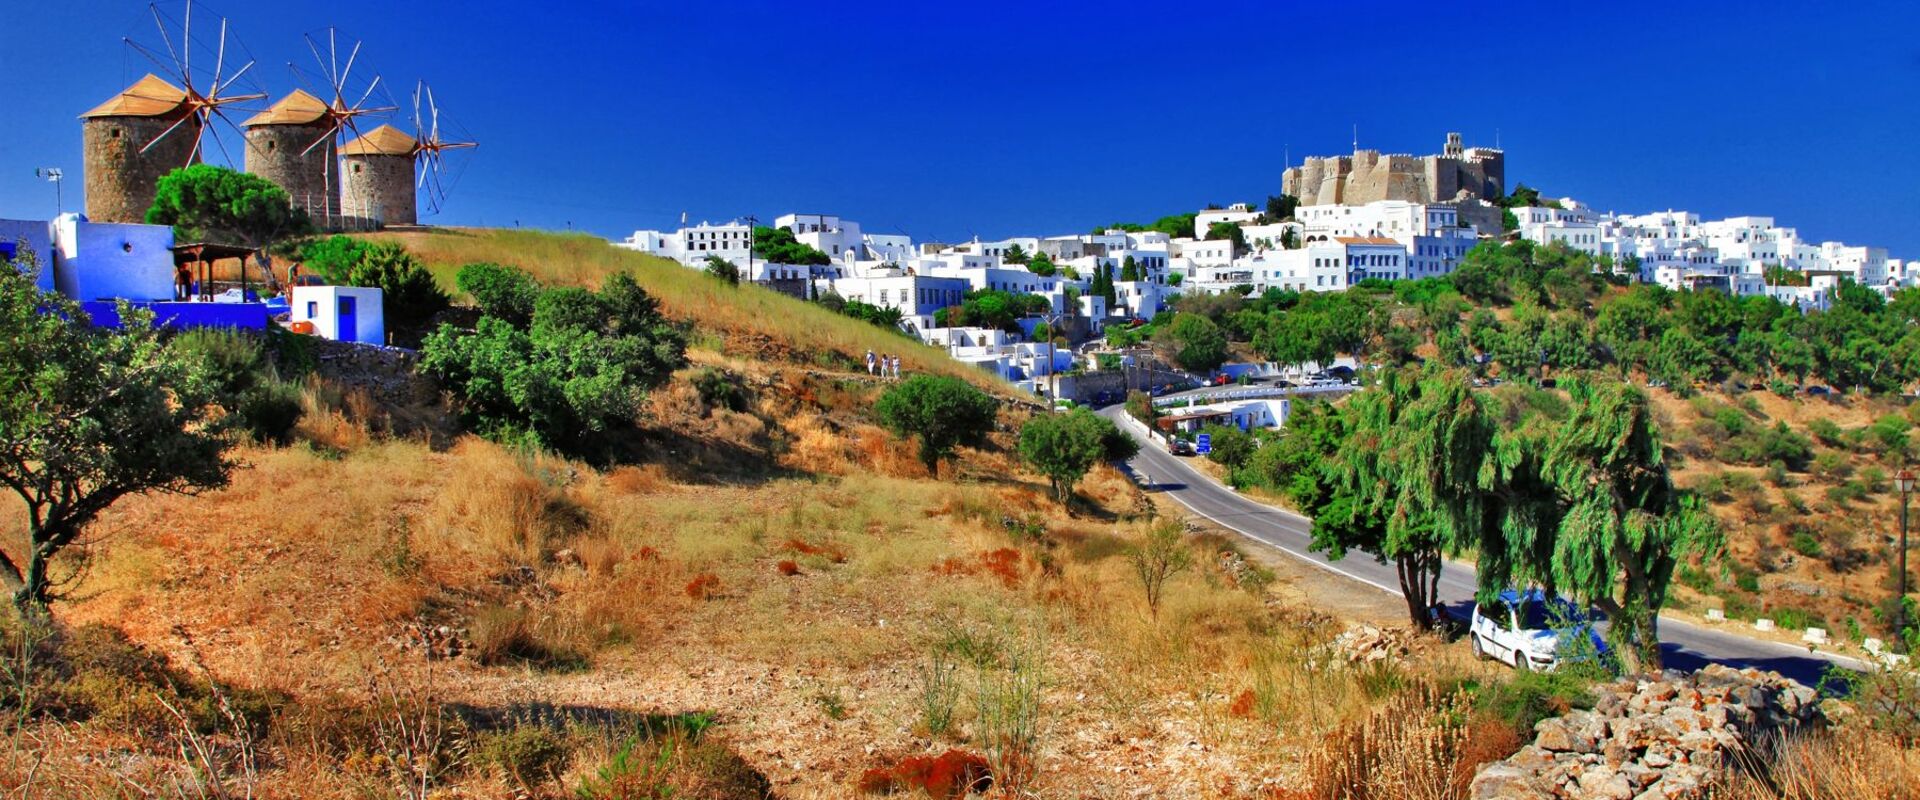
[[1443, 178]]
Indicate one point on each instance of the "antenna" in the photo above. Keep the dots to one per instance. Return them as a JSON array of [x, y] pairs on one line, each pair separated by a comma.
[[1356, 137]]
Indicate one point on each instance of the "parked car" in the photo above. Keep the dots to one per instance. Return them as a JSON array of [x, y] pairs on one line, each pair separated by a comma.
[[1222, 379], [1179, 447], [1531, 631], [1818, 391]]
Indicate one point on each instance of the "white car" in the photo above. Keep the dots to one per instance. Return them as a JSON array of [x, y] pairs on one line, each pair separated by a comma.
[[1526, 630]]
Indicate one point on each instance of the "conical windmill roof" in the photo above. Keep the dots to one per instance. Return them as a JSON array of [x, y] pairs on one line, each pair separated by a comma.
[[148, 97], [298, 108], [385, 140]]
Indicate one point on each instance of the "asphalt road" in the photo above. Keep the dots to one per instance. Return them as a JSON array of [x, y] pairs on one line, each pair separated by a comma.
[[1686, 646]]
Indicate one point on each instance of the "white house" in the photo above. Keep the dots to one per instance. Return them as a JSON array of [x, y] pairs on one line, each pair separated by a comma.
[[1237, 213], [340, 313], [112, 261]]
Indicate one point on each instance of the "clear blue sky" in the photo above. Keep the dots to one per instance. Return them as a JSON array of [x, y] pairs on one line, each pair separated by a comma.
[[949, 120]]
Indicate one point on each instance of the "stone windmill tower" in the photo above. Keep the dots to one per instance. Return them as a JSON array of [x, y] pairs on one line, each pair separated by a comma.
[[385, 172], [128, 149], [155, 125], [291, 144], [377, 182]]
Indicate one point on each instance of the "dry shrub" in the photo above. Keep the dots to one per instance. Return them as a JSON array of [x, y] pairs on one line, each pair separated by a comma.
[[1003, 563], [1242, 705], [506, 635], [324, 420], [599, 555], [885, 454], [830, 552], [704, 586], [1850, 763], [952, 774], [1406, 749], [814, 447], [1484, 742], [645, 479], [789, 569], [511, 507]]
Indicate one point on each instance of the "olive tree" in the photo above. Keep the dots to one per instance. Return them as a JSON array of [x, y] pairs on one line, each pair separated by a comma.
[[942, 411], [88, 416]]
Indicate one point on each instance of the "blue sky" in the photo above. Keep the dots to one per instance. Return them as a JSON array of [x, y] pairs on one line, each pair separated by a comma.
[[993, 119]]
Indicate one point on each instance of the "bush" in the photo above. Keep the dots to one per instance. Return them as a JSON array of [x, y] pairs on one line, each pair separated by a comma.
[[500, 292], [723, 270], [1806, 544], [1832, 465], [528, 755], [718, 389], [577, 374], [504, 635], [1828, 432], [237, 366], [410, 296]]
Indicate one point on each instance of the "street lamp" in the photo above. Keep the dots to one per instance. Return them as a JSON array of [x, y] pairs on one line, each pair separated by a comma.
[[1904, 480], [55, 175]]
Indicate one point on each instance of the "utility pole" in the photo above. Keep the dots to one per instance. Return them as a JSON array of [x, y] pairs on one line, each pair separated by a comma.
[[754, 222], [1905, 481]]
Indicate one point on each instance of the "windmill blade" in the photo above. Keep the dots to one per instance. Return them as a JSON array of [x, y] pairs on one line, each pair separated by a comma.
[[169, 131], [186, 46], [340, 84], [211, 131], [219, 87], [435, 108], [324, 138], [159, 21], [220, 57]]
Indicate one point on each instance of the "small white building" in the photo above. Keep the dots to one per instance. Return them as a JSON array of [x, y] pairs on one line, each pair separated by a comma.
[[340, 313], [112, 261]]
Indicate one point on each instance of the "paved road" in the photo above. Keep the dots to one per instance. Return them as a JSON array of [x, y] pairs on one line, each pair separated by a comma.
[[1686, 646]]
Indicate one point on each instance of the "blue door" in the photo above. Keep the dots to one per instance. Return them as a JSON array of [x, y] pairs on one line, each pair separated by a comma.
[[346, 324]]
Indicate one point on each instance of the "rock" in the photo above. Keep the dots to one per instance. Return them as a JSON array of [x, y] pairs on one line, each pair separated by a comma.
[[1561, 736], [1603, 782], [1503, 782]]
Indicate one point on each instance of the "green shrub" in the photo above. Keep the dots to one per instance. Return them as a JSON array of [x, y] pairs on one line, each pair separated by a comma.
[[530, 755], [1832, 465], [1533, 696], [1806, 544], [718, 389], [1777, 473], [501, 292], [236, 364], [1828, 432]]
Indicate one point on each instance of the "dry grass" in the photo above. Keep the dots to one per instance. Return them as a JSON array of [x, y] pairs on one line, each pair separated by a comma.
[[1852, 764]]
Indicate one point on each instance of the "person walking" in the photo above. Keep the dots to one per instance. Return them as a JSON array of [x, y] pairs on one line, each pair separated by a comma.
[[896, 368], [870, 363]]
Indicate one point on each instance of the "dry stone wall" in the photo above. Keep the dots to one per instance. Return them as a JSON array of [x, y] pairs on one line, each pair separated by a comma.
[[1654, 739]]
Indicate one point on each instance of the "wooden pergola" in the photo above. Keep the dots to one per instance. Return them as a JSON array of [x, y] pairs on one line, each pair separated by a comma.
[[202, 255]]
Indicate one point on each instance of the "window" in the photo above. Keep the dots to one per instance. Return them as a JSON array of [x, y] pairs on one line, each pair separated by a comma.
[[313, 309]]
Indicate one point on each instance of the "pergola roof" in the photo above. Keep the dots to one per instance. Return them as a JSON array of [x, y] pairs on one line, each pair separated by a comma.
[[385, 140], [150, 96], [199, 252], [297, 108]]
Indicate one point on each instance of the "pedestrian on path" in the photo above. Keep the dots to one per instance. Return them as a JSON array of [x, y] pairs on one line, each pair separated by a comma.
[[870, 363], [896, 368]]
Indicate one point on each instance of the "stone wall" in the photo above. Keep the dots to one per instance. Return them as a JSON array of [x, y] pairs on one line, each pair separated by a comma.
[[280, 154], [1654, 739], [378, 190], [121, 180]]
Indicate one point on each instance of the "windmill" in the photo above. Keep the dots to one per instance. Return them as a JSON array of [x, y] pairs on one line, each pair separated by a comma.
[[201, 95], [430, 154], [345, 100]]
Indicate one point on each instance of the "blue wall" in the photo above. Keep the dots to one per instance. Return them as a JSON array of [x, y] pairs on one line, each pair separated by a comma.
[[252, 316]]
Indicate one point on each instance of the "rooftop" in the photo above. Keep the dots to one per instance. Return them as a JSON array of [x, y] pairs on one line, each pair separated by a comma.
[[148, 97], [385, 140], [298, 108]]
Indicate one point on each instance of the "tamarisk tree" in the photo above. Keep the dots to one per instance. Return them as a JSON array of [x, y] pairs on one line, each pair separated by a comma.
[[1404, 485]]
